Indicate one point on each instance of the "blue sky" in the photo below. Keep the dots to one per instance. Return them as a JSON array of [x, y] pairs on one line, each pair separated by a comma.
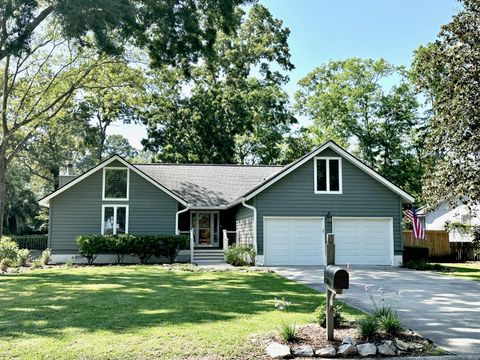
[[323, 30]]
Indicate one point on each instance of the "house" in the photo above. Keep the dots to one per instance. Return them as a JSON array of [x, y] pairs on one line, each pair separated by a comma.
[[283, 211], [443, 214]]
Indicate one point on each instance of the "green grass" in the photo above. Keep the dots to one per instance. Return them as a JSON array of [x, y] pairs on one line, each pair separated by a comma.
[[470, 271], [144, 312]]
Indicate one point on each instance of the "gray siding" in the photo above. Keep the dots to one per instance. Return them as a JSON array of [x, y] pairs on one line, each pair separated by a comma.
[[244, 225], [362, 195], [78, 210]]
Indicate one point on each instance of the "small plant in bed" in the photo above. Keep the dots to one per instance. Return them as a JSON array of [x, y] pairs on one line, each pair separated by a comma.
[[240, 255], [321, 316]]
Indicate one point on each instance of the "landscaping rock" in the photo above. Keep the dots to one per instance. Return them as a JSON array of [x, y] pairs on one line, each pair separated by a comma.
[[387, 349], [367, 349], [278, 351], [349, 340], [415, 346], [347, 350], [304, 351], [401, 345], [327, 352]]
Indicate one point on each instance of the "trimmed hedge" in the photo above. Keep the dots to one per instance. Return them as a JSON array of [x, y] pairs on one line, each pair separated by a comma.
[[142, 246], [415, 253]]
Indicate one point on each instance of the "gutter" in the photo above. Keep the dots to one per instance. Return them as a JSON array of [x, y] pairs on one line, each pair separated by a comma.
[[177, 230], [254, 209]]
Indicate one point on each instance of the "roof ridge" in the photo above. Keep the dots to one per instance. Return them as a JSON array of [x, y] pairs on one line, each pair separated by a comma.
[[196, 164]]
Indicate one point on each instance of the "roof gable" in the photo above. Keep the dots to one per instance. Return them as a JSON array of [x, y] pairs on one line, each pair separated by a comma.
[[113, 159], [407, 198]]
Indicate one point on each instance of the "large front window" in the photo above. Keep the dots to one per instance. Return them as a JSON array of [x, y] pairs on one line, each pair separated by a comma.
[[115, 183], [114, 219], [328, 175]]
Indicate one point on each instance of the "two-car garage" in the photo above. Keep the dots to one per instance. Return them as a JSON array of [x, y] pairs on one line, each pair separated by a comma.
[[300, 240]]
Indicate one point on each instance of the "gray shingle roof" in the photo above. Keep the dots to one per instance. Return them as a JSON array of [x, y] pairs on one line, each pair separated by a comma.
[[208, 185]]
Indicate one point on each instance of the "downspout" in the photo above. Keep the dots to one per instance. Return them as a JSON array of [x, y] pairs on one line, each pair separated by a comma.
[[254, 209], [177, 230]]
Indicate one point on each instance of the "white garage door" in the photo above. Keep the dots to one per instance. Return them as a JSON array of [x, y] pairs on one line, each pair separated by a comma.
[[363, 241], [294, 241]]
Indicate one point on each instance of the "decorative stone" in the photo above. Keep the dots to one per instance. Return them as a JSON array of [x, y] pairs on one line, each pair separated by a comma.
[[278, 351], [304, 351], [415, 346], [349, 340], [367, 349], [326, 352], [347, 350], [386, 350], [401, 345]]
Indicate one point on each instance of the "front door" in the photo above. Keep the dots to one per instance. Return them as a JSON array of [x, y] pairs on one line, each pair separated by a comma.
[[205, 224]]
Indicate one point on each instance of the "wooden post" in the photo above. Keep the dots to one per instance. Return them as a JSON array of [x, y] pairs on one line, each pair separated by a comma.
[[330, 295]]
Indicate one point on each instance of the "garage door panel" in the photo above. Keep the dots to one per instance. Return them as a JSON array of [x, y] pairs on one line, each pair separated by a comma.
[[362, 241], [294, 241]]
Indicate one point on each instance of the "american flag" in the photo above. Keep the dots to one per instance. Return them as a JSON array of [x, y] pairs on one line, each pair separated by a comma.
[[418, 230]]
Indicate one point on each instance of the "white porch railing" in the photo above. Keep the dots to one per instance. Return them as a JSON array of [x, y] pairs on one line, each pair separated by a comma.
[[226, 238], [192, 245]]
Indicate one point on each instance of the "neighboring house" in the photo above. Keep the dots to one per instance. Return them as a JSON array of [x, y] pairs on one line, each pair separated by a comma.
[[283, 211], [443, 214]]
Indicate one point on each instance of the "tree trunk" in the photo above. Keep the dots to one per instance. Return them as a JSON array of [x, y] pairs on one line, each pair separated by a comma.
[[55, 171], [3, 186]]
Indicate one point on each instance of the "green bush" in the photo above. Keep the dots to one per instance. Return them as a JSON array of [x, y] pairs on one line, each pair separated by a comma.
[[287, 331], [22, 257], [8, 249], [170, 245], [90, 246], [390, 323], [415, 253], [45, 257], [5, 264], [36, 264], [368, 327], [240, 255], [121, 245], [321, 316], [423, 265]]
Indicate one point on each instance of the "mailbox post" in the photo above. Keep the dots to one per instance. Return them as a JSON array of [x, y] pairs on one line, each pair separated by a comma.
[[336, 280]]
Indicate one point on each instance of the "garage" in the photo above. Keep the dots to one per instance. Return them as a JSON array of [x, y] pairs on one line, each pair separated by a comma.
[[363, 241], [294, 240]]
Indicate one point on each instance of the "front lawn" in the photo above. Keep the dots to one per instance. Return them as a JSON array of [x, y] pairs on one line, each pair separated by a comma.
[[143, 312], [470, 271]]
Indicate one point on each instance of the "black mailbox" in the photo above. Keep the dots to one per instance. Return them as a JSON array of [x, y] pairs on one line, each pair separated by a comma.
[[336, 278]]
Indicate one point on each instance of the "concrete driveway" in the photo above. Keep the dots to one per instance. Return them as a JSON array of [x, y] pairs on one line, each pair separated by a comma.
[[443, 309]]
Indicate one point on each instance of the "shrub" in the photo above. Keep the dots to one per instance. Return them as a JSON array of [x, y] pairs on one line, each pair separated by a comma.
[[422, 265], [5, 264], [414, 253], [36, 264], [287, 331], [383, 311], [321, 316], [390, 323], [240, 255], [90, 246], [170, 245], [22, 257], [68, 263], [368, 327], [45, 257], [121, 245], [8, 250]]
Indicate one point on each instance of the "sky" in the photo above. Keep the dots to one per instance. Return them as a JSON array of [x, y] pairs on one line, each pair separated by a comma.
[[323, 30]]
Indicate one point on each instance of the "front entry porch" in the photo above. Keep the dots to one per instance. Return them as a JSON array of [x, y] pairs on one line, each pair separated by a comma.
[[210, 233]]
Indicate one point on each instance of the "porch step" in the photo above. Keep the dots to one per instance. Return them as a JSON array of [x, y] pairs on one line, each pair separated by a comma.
[[208, 256]]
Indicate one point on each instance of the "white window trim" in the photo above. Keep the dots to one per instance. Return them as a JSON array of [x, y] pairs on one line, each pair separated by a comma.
[[340, 176], [114, 232], [128, 183]]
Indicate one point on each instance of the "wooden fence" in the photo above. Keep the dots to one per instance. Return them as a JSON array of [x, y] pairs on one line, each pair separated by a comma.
[[435, 240], [439, 246], [31, 242]]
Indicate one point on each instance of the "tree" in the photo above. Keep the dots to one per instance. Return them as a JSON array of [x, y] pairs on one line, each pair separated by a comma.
[[346, 99], [117, 144], [174, 33], [448, 71], [222, 113]]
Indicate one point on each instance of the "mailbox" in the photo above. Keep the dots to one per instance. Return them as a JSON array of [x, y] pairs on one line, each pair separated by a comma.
[[336, 278]]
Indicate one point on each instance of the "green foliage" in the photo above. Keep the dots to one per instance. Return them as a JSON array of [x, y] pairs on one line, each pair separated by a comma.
[[142, 246], [422, 265], [347, 103], [45, 257], [415, 253], [321, 317], [383, 311], [36, 264], [5, 264], [8, 249], [368, 327], [476, 240], [287, 331], [22, 257], [240, 255], [458, 226], [390, 323], [447, 71], [228, 115]]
